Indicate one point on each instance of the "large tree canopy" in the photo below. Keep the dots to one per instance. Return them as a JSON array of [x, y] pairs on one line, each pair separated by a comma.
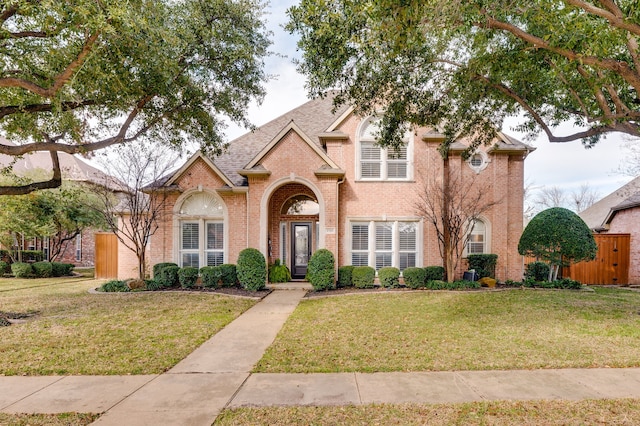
[[77, 76], [467, 65]]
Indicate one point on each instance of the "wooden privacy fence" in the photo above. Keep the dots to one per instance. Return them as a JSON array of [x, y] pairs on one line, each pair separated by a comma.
[[106, 255], [611, 265]]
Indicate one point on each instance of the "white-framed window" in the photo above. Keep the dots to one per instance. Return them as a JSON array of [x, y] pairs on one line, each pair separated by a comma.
[[379, 243], [478, 161], [477, 243], [376, 163], [79, 247], [201, 240]]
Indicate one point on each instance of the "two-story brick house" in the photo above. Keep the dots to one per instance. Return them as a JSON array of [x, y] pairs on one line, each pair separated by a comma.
[[313, 178]]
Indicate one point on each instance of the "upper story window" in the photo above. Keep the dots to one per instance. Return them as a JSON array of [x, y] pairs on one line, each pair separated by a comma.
[[478, 161], [376, 163]]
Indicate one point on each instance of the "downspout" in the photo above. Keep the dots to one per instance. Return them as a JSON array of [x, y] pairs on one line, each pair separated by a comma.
[[248, 216], [340, 182]]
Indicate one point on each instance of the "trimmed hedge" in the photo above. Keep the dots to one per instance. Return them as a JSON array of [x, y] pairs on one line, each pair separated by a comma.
[[160, 266], [344, 276], [168, 276], [389, 277], [252, 269], [536, 271], [279, 273], [152, 285], [456, 285], [42, 269], [434, 273], [211, 276], [115, 286], [363, 276], [188, 276], [483, 264], [321, 270], [21, 270], [229, 275], [414, 277]]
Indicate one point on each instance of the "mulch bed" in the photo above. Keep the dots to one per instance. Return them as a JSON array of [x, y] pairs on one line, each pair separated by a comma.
[[229, 291]]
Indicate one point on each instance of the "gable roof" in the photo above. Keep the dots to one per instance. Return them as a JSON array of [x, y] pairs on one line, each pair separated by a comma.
[[596, 215], [312, 118], [629, 203]]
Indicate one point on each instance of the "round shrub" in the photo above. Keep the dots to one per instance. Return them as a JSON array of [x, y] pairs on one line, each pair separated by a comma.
[[61, 269], [160, 266], [252, 269], [152, 285], [363, 276], [389, 277], [434, 273], [21, 270], [345, 274], [168, 276], [229, 275], [188, 276], [211, 276], [414, 277], [42, 269], [279, 273], [115, 286], [321, 270], [4, 267], [537, 271]]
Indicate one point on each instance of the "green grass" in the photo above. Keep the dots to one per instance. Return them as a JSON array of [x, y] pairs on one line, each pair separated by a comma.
[[435, 331], [589, 412], [73, 332], [64, 419]]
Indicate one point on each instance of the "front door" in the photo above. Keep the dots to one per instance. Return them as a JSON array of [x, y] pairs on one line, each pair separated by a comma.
[[301, 245]]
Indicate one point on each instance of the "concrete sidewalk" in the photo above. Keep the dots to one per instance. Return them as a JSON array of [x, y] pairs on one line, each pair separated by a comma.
[[217, 375]]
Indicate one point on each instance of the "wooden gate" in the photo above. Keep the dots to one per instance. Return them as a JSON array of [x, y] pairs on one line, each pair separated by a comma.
[[611, 265], [106, 255]]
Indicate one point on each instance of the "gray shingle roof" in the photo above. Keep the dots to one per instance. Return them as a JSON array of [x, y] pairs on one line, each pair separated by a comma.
[[313, 117], [595, 215]]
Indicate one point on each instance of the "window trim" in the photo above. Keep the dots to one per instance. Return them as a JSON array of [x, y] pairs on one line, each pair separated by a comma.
[[485, 161], [385, 154]]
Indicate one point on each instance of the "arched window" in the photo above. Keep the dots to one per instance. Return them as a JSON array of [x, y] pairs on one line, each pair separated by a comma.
[[300, 205], [477, 243], [376, 163], [202, 241]]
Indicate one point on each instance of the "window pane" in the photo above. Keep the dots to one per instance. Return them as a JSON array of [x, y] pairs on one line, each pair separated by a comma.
[[407, 260], [396, 170], [215, 258], [190, 259], [383, 259], [370, 170], [407, 236], [215, 236], [190, 237], [384, 236], [475, 248], [359, 236], [399, 154], [369, 151], [359, 259]]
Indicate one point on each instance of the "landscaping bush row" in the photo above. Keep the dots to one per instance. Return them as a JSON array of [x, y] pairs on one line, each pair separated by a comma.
[[37, 269], [564, 283], [25, 255]]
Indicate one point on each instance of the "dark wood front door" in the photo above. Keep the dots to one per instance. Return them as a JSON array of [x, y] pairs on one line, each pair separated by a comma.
[[301, 248]]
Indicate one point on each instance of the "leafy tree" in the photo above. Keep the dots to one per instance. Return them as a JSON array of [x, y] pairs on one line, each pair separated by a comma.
[[466, 65], [557, 236], [78, 76], [452, 205]]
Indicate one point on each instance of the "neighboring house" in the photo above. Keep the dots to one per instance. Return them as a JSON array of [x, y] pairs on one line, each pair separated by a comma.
[[79, 252], [315, 179], [619, 213]]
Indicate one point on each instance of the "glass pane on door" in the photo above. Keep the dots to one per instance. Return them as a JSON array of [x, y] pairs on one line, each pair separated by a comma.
[[301, 245]]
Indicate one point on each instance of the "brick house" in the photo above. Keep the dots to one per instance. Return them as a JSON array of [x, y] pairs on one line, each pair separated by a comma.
[[619, 213], [313, 178]]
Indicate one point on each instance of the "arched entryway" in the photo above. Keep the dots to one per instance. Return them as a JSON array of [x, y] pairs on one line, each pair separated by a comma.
[[294, 226]]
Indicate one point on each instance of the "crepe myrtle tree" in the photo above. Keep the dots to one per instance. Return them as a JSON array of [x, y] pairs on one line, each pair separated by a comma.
[[467, 65], [78, 76], [559, 237]]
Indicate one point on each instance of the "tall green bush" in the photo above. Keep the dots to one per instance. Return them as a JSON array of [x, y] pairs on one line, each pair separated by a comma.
[[344, 276], [168, 276], [414, 277], [252, 269], [188, 276], [229, 275], [363, 276], [483, 264], [321, 270], [389, 277], [42, 269], [21, 270], [160, 266]]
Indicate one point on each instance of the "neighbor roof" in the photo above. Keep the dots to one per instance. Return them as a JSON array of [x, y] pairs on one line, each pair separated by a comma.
[[596, 215]]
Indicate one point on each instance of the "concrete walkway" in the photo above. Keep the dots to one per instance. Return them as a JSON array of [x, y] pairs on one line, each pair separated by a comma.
[[217, 375]]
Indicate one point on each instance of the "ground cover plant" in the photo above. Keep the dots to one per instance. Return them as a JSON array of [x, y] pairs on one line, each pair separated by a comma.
[[75, 332], [423, 331], [589, 412]]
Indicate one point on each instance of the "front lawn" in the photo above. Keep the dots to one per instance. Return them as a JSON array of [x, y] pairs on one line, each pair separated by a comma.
[[64, 419], [427, 331], [71, 332], [590, 412]]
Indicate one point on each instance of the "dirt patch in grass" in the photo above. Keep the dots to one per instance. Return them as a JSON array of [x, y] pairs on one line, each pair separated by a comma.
[[589, 412], [8, 318]]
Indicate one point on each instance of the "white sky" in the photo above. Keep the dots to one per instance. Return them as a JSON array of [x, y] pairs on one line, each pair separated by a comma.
[[567, 165]]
